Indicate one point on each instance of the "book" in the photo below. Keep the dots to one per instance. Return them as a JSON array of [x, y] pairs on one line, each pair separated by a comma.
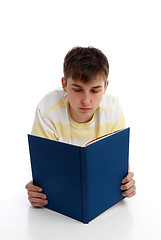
[[96, 139], [80, 182]]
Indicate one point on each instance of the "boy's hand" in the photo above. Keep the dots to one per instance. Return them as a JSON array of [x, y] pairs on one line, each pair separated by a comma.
[[35, 195], [128, 187]]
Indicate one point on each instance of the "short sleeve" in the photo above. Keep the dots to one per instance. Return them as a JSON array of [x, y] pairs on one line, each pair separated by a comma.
[[119, 116], [42, 127]]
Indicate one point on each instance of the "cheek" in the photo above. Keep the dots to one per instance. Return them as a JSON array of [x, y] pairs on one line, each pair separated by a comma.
[[74, 99]]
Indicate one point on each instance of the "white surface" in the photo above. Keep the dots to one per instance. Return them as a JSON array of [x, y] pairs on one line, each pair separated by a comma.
[[35, 36], [130, 219]]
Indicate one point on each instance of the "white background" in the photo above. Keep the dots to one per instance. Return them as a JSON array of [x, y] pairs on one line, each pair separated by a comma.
[[34, 38]]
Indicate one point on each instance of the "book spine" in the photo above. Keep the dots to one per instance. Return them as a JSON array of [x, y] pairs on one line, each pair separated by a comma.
[[84, 185]]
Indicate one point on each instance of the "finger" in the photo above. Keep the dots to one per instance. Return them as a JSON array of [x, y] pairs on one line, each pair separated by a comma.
[[38, 201], [36, 195], [128, 177], [131, 194], [129, 191], [128, 185], [31, 187], [31, 182]]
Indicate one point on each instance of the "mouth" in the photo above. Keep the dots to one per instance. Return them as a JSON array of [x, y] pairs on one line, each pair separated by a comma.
[[85, 109]]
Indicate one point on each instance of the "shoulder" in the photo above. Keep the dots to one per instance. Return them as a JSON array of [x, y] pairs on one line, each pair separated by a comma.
[[109, 101], [50, 99], [110, 112]]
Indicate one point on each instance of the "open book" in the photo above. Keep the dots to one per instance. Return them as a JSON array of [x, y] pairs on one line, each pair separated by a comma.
[[80, 182], [97, 139]]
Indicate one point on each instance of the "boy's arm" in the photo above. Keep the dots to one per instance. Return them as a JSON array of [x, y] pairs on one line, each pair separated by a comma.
[[128, 186], [119, 119], [42, 127], [120, 123]]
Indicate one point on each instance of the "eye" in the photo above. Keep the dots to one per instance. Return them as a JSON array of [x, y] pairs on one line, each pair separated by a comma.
[[94, 91], [76, 90]]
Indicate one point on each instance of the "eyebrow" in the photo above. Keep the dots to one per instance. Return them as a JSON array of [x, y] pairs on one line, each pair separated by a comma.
[[95, 87]]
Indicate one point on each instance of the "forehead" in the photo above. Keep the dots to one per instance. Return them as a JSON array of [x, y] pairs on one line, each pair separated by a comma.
[[94, 83]]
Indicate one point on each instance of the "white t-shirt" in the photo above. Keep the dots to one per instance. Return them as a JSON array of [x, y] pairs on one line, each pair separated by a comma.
[[53, 120]]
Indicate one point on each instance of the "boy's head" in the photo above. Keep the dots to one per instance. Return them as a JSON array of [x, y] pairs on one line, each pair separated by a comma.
[[85, 81], [85, 64]]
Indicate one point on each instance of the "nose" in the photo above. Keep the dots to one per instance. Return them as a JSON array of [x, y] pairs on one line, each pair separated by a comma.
[[86, 100]]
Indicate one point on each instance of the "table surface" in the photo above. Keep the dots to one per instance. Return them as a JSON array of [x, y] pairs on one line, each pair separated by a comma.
[[133, 218]]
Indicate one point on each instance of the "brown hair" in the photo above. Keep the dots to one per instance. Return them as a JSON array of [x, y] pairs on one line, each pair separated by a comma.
[[85, 64]]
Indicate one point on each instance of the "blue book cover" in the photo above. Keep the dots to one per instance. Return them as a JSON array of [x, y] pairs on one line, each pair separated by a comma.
[[80, 182]]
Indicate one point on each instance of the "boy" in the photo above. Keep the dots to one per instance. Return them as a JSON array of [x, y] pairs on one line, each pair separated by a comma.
[[80, 111]]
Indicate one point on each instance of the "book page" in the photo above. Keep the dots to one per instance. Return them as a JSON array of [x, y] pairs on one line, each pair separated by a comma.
[[97, 139]]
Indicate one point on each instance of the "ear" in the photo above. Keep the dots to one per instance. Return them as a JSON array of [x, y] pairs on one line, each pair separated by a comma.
[[106, 86], [63, 84]]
